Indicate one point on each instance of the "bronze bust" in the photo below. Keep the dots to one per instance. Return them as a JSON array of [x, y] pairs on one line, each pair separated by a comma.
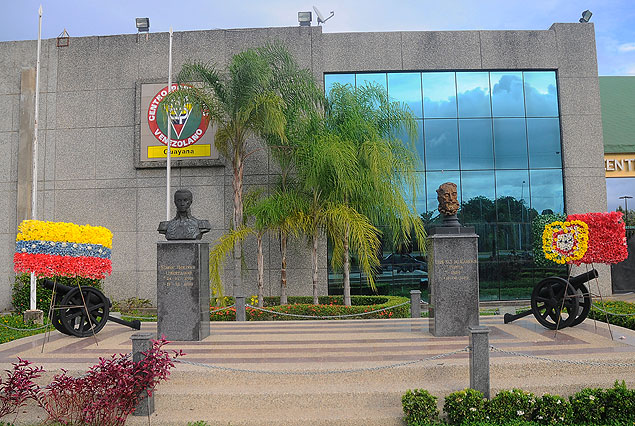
[[184, 226], [448, 199], [448, 203]]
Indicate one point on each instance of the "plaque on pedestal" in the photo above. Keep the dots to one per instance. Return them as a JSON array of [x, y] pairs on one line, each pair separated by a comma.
[[183, 289]]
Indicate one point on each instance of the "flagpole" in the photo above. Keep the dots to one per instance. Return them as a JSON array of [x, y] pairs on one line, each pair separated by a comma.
[[33, 298], [169, 154]]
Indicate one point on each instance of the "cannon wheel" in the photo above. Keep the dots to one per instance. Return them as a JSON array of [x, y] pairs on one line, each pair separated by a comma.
[[57, 322], [584, 299], [75, 320], [547, 303]]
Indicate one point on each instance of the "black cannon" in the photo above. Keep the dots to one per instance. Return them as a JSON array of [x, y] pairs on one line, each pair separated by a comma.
[[81, 313], [557, 303]]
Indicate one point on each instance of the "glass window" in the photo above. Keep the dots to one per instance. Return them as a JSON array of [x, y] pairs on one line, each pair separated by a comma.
[[541, 96], [420, 196], [547, 191], [379, 79], [433, 181], [497, 136], [441, 144], [507, 94], [477, 146], [510, 143], [406, 88], [473, 92], [330, 79], [439, 95], [619, 187], [477, 193], [418, 142], [543, 136], [512, 195]]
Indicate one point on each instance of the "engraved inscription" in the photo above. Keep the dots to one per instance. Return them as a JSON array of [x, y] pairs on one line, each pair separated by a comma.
[[456, 269], [177, 275]]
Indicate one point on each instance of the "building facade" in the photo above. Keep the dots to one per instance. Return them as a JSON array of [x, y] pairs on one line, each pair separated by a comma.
[[618, 125], [530, 138]]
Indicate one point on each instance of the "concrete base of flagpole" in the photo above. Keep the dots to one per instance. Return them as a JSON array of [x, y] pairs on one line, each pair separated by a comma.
[[36, 315]]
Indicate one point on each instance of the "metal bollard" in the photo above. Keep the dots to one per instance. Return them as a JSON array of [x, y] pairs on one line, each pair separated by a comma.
[[479, 359], [141, 343], [241, 315], [415, 304]]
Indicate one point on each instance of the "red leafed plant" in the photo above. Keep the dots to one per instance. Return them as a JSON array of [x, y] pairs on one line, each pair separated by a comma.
[[110, 390], [19, 387]]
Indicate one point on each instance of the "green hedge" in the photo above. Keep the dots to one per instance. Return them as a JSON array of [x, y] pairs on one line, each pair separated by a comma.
[[614, 406], [329, 306], [21, 293], [616, 307]]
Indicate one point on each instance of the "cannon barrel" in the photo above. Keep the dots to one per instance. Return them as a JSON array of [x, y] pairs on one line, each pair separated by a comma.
[[582, 278], [507, 318], [60, 288]]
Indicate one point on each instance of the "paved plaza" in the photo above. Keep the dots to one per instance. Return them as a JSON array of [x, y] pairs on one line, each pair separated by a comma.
[[273, 392]]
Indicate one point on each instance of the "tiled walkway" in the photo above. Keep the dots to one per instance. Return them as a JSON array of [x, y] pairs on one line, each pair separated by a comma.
[[260, 391], [325, 344]]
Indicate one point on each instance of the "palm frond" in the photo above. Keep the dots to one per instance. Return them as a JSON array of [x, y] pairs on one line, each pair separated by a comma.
[[224, 246]]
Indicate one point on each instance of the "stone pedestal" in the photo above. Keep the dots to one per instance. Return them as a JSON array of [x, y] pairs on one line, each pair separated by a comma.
[[37, 316], [453, 275], [183, 290]]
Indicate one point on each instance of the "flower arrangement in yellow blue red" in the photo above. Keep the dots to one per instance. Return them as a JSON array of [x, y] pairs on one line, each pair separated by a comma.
[[586, 238], [50, 249], [565, 242]]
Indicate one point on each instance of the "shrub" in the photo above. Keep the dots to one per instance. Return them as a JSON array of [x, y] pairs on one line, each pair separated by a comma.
[[553, 409], [465, 407], [19, 387], [617, 307], [21, 294], [419, 407], [619, 403], [131, 304], [588, 406], [511, 405], [109, 391], [329, 306]]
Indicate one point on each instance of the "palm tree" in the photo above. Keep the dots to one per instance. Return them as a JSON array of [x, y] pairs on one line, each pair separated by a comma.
[[302, 99], [365, 118], [244, 103]]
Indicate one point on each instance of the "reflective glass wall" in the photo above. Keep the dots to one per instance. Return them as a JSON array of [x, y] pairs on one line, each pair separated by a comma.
[[497, 136]]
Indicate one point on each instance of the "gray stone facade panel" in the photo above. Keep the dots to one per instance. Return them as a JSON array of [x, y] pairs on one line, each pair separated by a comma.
[[118, 63], [75, 154], [441, 50], [78, 65], [518, 50], [575, 45], [361, 51], [579, 95], [114, 107], [77, 109], [113, 147]]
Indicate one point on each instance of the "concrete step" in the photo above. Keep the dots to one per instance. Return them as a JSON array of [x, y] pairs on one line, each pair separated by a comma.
[[289, 416]]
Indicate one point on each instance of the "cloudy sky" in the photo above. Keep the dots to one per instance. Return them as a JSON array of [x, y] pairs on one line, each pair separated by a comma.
[[614, 19]]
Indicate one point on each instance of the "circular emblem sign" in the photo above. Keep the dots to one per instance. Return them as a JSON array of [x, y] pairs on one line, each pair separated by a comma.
[[189, 124]]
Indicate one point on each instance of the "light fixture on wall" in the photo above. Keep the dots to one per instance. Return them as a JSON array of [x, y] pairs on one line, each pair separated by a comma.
[[305, 18], [586, 16], [143, 24]]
